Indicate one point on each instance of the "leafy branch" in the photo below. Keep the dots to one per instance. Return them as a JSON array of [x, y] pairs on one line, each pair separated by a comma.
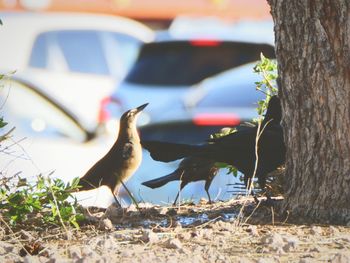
[[267, 69], [47, 197]]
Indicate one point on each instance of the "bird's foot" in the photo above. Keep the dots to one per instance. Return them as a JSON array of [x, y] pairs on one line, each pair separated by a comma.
[[269, 202], [256, 199], [117, 201]]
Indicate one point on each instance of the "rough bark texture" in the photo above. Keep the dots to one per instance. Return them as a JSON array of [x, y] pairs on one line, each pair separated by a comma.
[[313, 54]]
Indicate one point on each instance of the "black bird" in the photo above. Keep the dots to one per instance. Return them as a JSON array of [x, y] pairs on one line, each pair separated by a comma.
[[191, 169], [121, 161], [236, 149]]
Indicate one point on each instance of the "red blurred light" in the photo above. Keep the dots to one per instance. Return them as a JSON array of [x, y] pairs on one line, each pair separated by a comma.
[[216, 119], [205, 43], [103, 114]]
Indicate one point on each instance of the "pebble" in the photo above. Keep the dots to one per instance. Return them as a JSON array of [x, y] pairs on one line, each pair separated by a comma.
[[273, 240], [132, 208], [87, 251], [252, 230], [74, 252], [163, 211], [341, 258], [31, 259], [245, 260], [149, 236], [292, 243], [185, 236], [223, 226], [127, 254], [345, 238], [333, 230], [173, 243], [107, 243], [197, 259], [106, 224], [267, 260], [203, 201], [113, 212], [5, 248], [124, 237], [26, 235], [316, 230]]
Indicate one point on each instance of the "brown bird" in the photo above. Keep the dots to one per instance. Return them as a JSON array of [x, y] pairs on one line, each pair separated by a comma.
[[121, 161], [190, 169]]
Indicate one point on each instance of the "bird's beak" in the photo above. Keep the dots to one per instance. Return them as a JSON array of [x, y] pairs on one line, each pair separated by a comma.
[[140, 108]]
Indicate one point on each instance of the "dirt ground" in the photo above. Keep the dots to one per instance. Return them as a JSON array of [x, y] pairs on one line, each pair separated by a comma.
[[219, 232]]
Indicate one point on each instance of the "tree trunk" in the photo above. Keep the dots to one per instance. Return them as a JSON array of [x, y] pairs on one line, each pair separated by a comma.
[[313, 54]]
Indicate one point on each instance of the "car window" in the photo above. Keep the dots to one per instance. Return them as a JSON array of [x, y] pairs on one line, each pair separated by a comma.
[[127, 48], [39, 55], [33, 115], [83, 51], [241, 95], [181, 63], [74, 50]]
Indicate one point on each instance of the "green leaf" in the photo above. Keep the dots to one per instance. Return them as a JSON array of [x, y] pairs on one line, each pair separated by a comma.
[[2, 123]]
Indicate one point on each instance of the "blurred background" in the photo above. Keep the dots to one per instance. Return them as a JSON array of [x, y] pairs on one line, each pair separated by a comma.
[[72, 67]]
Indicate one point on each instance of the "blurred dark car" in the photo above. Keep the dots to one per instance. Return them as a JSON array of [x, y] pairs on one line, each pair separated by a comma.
[[167, 68], [225, 100]]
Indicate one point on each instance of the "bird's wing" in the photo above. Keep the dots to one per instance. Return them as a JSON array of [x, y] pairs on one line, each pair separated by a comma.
[[127, 150], [166, 151]]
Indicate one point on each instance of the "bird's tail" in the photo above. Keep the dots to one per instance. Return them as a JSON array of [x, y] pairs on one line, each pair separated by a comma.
[[86, 185], [166, 151], [158, 182]]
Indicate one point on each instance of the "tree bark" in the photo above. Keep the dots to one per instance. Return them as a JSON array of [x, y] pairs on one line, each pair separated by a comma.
[[313, 54]]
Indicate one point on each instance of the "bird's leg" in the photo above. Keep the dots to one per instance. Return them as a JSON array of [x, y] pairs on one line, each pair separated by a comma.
[[116, 201], [206, 187], [269, 201], [115, 193], [182, 185], [255, 197], [248, 182], [208, 195], [177, 196]]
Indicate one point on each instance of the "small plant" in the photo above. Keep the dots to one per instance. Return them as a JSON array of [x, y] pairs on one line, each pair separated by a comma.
[[45, 197], [45, 201], [267, 69], [2, 123], [224, 132]]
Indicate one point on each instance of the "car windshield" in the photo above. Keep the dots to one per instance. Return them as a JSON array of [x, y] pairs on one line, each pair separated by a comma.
[[84, 51], [179, 63], [243, 95]]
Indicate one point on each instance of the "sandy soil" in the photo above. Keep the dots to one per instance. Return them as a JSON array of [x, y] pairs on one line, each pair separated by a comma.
[[190, 233]]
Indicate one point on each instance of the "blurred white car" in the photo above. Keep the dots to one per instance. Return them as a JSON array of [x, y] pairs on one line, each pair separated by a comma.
[[47, 139], [75, 58]]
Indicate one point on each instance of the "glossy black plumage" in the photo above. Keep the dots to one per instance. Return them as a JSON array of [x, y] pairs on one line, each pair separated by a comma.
[[237, 149], [190, 169]]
